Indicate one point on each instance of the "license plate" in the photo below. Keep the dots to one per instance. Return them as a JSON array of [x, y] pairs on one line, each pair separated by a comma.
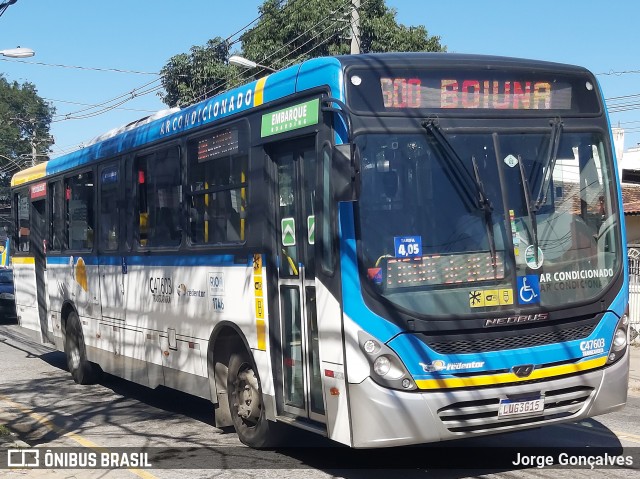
[[524, 407]]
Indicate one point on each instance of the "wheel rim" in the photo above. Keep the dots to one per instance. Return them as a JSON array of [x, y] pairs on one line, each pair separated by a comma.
[[74, 356], [247, 394]]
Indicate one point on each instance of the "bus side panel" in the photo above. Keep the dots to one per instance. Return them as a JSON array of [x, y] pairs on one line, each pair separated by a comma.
[[332, 359], [174, 303], [74, 279], [56, 288], [24, 277]]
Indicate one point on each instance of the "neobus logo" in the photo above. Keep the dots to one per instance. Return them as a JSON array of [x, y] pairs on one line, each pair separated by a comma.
[[525, 318]]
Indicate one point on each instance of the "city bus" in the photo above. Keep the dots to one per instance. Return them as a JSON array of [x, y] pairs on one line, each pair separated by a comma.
[[384, 249]]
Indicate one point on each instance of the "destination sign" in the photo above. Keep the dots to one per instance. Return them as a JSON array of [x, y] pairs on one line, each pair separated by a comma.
[[479, 93], [219, 144], [421, 91]]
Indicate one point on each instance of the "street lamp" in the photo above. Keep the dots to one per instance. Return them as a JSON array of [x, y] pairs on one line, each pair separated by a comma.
[[246, 63], [17, 52]]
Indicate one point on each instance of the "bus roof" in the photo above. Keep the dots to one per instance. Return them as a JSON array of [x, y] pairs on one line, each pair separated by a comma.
[[445, 59], [326, 71]]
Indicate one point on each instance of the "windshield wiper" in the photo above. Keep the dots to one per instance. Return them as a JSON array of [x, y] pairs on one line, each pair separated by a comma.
[[463, 175], [552, 157], [531, 212], [488, 210]]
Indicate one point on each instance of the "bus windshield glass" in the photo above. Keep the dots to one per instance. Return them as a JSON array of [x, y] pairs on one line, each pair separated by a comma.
[[473, 222]]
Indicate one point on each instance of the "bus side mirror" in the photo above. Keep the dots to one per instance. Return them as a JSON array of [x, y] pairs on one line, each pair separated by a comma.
[[346, 167]]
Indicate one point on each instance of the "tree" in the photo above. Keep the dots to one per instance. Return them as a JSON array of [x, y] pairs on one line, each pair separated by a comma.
[[188, 78], [287, 33], [25, 120]]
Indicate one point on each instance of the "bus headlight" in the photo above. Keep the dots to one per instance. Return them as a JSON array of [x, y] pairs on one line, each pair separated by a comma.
[[382, 365], [620, 339], [386, 368]]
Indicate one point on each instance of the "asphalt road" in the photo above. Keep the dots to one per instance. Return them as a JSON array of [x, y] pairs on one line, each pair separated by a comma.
[[40, 401]]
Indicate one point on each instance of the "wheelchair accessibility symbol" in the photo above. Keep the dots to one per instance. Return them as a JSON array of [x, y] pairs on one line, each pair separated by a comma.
[[528, 289]]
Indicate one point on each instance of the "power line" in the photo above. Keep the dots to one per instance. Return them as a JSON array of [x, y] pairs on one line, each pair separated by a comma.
[[108, 104], [116, 70], [611, 72], [239, 77], [614, 98], [89, 104], [292, 6], [110, 107]]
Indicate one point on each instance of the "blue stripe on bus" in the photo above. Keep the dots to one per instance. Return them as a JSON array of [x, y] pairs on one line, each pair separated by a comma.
[[354, 306], [280, 84], [327, 68], [331, 70], [170, 260], [621, 217], [418, 357]]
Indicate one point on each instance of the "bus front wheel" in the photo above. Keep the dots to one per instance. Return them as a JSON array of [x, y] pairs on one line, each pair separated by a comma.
[[82, 371], [246, 405]]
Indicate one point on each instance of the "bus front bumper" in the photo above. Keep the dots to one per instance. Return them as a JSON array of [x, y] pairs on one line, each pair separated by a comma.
[[382, 417]]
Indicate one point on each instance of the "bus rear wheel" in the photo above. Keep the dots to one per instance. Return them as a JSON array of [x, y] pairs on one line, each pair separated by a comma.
[[246, 405], [82, 370]]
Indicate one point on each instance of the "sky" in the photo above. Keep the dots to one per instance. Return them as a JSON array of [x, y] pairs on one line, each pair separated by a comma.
[[90, 53]]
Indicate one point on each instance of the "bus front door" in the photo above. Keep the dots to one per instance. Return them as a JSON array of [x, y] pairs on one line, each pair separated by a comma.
[[295, 163]]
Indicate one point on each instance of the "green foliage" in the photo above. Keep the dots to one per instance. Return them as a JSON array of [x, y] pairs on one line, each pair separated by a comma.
[[289, 32], [25, 118], [203, 72]]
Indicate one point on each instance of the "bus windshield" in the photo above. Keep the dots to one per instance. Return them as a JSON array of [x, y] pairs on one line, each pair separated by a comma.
[[470, 222]]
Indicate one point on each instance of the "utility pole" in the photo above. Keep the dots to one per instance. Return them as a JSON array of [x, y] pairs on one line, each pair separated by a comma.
[[34, 141], [355, 27], [34, 151]]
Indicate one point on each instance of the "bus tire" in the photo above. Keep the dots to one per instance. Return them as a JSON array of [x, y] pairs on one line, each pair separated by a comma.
[[82, 371], [246, 405]]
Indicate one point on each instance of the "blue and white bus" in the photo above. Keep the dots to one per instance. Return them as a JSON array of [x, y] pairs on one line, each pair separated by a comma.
[[384, 249]]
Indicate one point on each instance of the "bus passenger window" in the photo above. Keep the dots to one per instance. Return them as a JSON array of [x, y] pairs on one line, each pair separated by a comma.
[[79, 194], [24, 222], [109, 208], [217, 166], [159, 194], [57, 237]]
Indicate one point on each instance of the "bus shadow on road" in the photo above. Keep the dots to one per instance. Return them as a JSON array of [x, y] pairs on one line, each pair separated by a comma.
[[559, 446], [162, 398], [151, 418]]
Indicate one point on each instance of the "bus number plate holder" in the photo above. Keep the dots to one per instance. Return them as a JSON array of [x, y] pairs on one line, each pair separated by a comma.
[[520, 407]]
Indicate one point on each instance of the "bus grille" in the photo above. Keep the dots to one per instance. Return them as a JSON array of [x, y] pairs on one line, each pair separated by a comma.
[[500, 343], [482, 416]]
